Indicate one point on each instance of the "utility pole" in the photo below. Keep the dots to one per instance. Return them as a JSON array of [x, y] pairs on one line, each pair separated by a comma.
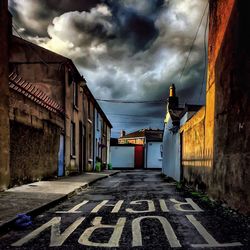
[[4, 96]]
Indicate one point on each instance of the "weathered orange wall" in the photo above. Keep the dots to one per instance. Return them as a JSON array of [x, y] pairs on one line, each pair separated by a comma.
[[196, 159], [226, 138], [231, 73]]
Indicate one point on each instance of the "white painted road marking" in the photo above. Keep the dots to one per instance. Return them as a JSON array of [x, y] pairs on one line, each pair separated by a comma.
[[56, 238], [163, 205], [169, 232], [114, 239], [211, 242], [151, 206], [190, 202], [74, 209], [116, 206]]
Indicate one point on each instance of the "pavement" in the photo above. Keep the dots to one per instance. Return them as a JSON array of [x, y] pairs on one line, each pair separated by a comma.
[[36, 197]]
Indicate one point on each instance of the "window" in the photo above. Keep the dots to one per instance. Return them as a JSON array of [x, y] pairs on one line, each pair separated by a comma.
[[102, 126], [90, 147], [75, 94], [73, 139], [97, 121], [96, 147], [83, 105], [89, 116]]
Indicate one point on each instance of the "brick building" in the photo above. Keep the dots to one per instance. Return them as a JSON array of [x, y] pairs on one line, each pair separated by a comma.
[[141, 136], [47, 126], [57, 76], [36, 122]]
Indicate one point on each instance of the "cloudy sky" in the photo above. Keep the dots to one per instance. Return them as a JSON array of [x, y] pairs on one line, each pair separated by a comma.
[[128, 50]]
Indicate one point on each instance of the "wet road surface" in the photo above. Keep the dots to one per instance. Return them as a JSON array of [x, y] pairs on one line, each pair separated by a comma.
[[133, 209]]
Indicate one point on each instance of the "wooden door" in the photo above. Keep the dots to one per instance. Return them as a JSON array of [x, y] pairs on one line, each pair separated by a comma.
[[139, 157], [60, 171]]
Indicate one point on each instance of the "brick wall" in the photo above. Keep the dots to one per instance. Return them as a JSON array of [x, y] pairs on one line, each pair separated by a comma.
[[33, 152]]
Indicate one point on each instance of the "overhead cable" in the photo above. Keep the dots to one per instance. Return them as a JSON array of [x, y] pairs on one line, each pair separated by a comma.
[[192, 45]]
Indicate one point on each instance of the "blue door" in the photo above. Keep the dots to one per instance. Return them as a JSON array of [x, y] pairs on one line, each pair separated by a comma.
[[61, 157]]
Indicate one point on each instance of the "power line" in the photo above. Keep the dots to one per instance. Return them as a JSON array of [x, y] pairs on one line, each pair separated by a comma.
[[191, 48], [124, 101], [137, 122], [205, 56], [133, 115]]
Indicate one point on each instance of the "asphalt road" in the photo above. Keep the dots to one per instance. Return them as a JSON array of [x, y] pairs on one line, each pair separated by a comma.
[[133, 209]]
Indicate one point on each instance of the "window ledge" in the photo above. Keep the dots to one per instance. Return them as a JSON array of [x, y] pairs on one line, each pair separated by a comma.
[[72, 156], [75, 107]]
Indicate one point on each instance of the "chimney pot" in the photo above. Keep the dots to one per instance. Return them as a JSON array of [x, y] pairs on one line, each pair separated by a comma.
[[123, 133]]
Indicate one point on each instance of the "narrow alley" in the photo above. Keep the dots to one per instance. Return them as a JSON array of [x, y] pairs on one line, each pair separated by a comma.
[[138, 208]]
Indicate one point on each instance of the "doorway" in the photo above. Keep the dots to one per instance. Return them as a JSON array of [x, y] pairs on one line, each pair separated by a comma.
[[60, 170], [139, 157], [82, 147]]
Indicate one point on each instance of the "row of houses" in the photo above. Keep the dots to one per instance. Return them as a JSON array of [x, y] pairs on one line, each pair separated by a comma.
[[208, 146], [141, 149], [56, 126]]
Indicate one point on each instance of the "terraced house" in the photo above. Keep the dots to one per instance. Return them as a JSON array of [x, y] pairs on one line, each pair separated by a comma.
[[52, 115]]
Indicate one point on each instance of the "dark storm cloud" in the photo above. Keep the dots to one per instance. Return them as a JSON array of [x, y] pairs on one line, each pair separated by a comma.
[[134, 28], [126, 49], [35, 16], [111, 88]]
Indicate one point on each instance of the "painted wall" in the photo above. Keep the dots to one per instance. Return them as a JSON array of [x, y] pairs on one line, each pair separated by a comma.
[[171, 151], [153, 155], [196, 161], [123, 157], [108, 144]]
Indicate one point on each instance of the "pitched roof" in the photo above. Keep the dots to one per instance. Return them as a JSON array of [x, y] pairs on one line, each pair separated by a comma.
[[138, 133], [149, 134]]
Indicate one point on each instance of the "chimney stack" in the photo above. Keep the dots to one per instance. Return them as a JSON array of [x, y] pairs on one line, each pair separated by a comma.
[[123, 133], [173, 100]]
